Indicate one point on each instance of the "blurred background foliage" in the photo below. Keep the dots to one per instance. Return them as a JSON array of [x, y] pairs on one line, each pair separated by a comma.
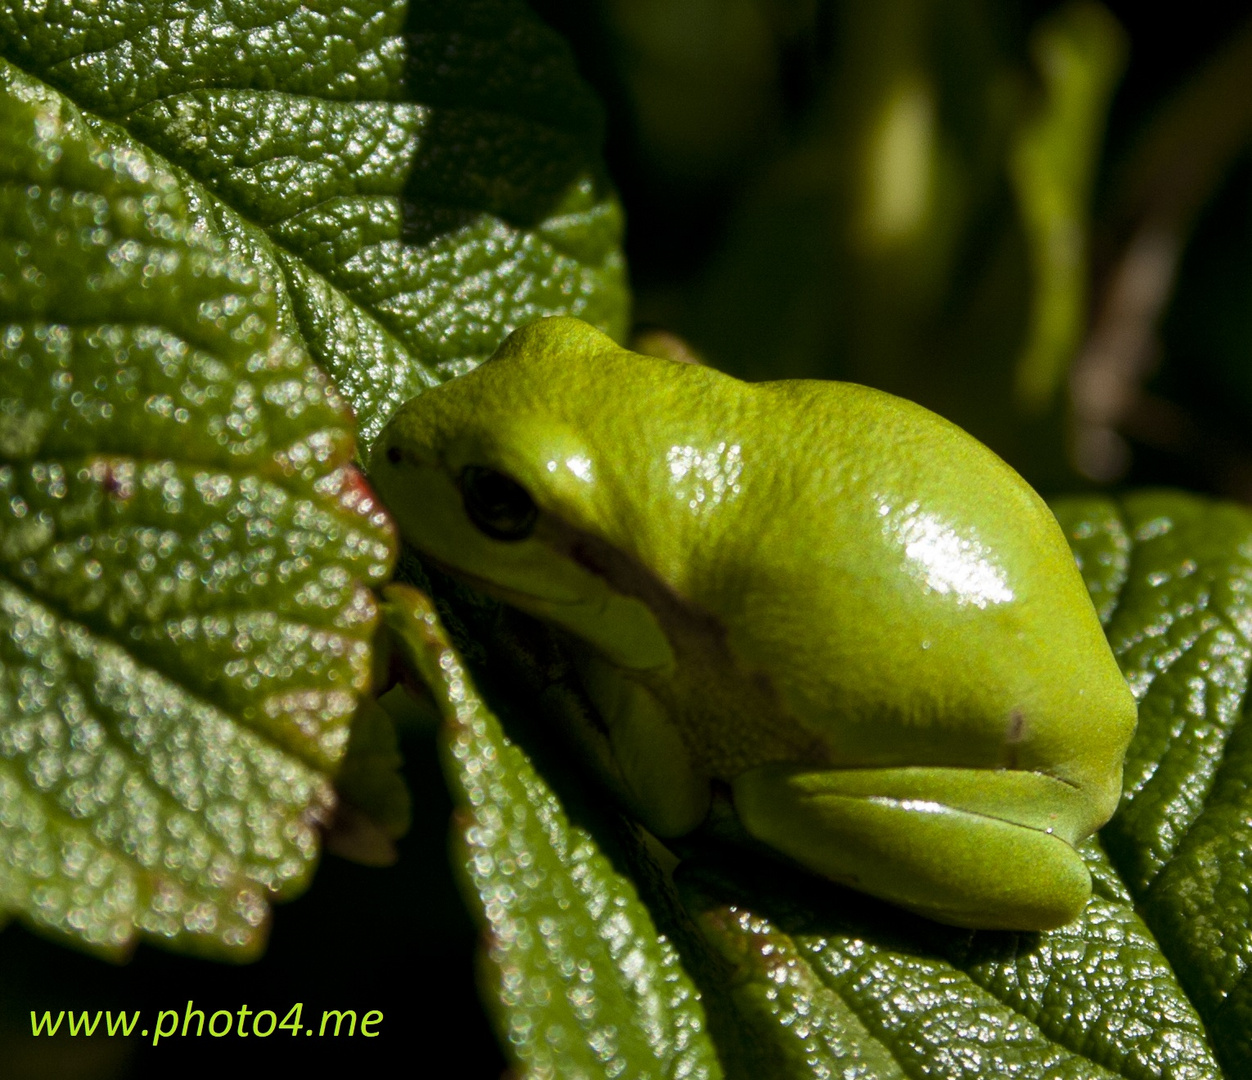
[[1034, 218]]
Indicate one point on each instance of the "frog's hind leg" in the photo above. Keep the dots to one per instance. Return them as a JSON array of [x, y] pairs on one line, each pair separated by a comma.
[[983, 848]]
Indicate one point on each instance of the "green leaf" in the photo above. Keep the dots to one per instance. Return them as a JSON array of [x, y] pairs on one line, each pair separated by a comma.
[[579, 981], [185, 556], [1172, 574], [421, 177], [392, 186], [802, 978], [894, 996]]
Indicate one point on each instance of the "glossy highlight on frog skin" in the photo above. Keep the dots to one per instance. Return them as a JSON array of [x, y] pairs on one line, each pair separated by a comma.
[[833, 602], [945, 560]]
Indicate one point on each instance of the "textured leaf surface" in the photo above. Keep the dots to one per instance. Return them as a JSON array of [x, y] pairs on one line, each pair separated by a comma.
[[1172, 575], [422, 177], [826, 983], [804, 979], [185, 555], [396, 186], [579, 980]]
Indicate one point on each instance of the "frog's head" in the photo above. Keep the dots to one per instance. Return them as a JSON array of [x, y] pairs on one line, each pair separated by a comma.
[[498, 478]]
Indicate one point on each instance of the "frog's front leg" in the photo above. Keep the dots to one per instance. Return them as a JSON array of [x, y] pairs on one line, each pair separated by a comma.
[[649, 762], [984, 848]]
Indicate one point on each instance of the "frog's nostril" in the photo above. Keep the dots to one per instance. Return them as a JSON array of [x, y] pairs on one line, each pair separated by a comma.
[[394, 455]]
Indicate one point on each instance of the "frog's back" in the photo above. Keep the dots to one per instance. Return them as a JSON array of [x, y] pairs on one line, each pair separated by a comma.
[[913, 597]]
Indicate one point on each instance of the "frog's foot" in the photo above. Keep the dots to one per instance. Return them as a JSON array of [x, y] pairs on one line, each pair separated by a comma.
[[984, 848]]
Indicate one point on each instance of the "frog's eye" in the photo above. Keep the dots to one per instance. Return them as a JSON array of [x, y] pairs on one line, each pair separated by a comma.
[[498, 505]]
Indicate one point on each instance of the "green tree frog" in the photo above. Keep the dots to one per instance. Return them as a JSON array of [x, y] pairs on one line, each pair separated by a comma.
[[838, 606]]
